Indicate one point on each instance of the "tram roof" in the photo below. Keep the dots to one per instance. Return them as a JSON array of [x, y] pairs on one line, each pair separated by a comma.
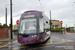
[[34, 12], [45, 15]]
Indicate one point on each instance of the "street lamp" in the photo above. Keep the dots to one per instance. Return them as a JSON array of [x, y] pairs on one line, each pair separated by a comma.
[[73, 15], [6, 13], [50, 20]]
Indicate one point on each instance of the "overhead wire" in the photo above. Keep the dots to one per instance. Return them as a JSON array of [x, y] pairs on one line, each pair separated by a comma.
[[40, 4]]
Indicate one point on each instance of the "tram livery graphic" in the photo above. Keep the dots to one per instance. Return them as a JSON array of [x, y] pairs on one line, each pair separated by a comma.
[[33, 27]]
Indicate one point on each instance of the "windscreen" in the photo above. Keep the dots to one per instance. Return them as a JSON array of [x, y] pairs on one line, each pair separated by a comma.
[[28, 26]]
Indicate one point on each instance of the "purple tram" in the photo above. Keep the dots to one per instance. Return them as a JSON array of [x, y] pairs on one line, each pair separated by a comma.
[[33, 27]]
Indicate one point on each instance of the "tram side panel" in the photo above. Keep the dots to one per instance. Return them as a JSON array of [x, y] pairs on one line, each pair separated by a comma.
[[46, 28]]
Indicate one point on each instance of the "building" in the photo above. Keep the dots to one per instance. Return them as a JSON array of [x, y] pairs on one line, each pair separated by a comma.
[[55, 24]]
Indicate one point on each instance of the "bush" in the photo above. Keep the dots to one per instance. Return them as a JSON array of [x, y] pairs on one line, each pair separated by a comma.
[[56, 30], [1, 26], [4, 25], [47, 29]]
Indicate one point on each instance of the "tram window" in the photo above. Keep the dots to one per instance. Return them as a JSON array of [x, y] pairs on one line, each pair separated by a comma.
[[26, 24], [41, 25], [21, 28]]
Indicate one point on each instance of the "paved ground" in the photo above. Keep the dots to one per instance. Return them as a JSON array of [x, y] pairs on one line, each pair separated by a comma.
[[57, 41]]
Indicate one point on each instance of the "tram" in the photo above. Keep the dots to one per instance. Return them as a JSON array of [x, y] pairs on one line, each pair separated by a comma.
[[34, 27]]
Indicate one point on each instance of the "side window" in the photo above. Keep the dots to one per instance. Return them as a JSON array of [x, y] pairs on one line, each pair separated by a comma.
[[41, 25]]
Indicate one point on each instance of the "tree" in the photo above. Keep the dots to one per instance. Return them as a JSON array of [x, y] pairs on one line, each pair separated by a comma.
[[50, 25], [50, 22]]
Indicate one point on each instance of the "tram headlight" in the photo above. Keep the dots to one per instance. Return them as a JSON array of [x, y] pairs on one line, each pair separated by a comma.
[[34, 35], [19, 36]]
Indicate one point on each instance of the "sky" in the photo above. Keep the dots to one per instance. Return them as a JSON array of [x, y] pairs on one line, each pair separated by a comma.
[[62, 10]]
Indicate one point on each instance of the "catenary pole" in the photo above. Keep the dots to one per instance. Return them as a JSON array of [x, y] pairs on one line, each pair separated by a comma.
[[11, 18], [50, 20], [6, 16]]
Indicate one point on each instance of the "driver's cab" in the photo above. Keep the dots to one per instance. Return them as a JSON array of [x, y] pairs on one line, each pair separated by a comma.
[[28, 26]]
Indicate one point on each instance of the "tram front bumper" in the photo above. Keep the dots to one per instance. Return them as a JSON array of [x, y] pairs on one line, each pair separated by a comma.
[[31, 40]]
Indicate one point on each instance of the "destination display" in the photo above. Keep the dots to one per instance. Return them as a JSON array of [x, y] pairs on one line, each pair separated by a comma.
[[27, 16]]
